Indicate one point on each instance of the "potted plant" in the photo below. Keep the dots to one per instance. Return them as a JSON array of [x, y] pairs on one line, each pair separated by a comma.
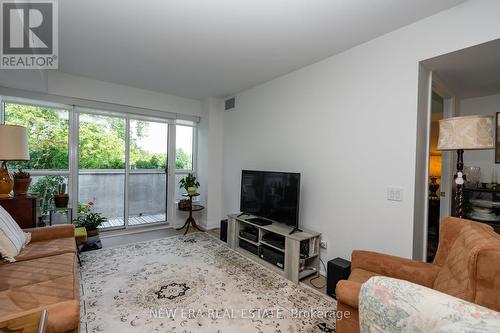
[[189, 183], [85, 207], [90, 221], [22, 181], [61, 199], [46, 187], [184, 204]]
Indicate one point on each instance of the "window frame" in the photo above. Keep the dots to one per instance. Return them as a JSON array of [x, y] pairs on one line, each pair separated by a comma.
[[41, 172], [194, 168], [28, 102], [114, 110]]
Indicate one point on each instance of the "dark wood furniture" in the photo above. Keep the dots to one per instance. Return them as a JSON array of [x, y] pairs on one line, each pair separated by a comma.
[[22, 208], [432, 228], [190, 221], [492, 195]]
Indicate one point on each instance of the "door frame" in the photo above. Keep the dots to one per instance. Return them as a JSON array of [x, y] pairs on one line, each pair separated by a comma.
[[421, 204], [127, 118], [427, 82], [448, 158]]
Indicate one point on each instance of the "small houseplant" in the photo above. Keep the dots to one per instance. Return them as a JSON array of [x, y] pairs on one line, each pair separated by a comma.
[[184, 204], [22, 181], [189, 183], [61, 198], [90, 221], [85, 207]]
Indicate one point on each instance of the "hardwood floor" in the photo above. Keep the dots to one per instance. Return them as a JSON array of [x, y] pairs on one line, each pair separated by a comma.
[[318, 283]]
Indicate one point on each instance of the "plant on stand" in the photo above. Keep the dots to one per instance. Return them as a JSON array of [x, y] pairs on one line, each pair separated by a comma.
[[189, 183], [22, 181], [90, 221], [61, 199], [46, 187]]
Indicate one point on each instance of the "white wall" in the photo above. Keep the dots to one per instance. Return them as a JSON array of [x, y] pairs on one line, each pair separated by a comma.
[[80, 87], [348, 124], [210, 136], [62, 84], [33, 80], [485, 159]]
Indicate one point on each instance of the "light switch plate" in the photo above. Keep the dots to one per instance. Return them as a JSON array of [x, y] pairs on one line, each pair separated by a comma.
[[394, 194]]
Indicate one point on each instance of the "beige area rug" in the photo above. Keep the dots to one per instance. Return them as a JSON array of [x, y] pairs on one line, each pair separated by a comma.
[[193, 283]]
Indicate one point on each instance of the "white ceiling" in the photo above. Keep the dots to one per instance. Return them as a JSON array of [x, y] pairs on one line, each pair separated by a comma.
[[471, 72], [218, 47]]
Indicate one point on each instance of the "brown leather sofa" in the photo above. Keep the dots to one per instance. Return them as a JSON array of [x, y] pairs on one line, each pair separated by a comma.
[[467, 266], [44, 276]]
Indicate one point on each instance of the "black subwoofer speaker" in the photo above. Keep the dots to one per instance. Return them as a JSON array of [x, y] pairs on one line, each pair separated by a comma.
[[223, 230], [337, 269]]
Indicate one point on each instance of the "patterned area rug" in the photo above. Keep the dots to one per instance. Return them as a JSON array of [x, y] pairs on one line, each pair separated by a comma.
[[193, 283]]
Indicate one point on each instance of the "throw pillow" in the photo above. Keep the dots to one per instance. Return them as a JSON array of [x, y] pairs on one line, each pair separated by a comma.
[[12, 238]]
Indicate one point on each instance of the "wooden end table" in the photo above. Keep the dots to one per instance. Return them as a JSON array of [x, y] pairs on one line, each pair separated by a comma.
[[190, 221]]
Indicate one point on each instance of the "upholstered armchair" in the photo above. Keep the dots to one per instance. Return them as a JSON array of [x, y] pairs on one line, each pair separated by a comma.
[[467, 266]]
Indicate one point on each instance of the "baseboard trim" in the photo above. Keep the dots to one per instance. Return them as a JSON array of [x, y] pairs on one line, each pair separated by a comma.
[[134, 230]]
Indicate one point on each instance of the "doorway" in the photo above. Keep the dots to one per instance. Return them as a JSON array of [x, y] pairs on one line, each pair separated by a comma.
[[122, 168], [435, 172]]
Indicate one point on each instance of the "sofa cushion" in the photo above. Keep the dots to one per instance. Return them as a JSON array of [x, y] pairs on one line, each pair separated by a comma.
[[457, 276], [47, 248], [12, 238], [45, 291], [23, 273]]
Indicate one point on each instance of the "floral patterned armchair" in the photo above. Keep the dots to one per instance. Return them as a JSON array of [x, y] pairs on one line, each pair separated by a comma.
[[388, 305]]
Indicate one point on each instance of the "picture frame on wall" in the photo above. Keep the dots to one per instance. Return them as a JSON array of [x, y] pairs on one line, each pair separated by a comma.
[[497, 138]]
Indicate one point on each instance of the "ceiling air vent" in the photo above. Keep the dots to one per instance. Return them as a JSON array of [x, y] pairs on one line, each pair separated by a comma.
[[230, 103]]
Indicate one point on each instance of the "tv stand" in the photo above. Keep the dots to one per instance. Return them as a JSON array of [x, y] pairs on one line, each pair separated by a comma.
[[294, 230], [298, 246]]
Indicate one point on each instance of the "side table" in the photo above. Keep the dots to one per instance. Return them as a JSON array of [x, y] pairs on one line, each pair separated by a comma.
[[192, 208], [68, 211], [23, 209]]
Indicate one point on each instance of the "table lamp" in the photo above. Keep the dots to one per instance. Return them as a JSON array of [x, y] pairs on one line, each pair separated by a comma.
[[464, 133], [434, 174], [13, 147]]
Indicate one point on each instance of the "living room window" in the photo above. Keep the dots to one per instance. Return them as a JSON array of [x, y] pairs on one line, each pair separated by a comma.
[[48, 136], [184, 161], [116, 162]]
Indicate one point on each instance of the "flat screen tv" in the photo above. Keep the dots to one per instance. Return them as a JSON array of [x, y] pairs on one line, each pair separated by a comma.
[[271, 195]]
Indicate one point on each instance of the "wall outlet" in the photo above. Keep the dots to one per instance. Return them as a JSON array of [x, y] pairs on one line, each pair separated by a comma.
[[323, 244], [394, 194]]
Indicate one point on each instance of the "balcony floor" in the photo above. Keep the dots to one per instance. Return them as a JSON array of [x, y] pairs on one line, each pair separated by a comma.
[[134, 220]]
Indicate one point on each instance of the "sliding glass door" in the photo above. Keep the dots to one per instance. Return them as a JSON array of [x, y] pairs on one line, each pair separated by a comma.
[[123, 169], [101, 166], [147, 176]]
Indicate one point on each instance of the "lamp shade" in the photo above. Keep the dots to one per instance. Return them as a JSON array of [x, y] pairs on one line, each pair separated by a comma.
[[469, 132], [13, 143]]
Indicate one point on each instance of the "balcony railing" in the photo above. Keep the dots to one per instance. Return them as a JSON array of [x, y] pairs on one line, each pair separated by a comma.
[[106, 190]]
